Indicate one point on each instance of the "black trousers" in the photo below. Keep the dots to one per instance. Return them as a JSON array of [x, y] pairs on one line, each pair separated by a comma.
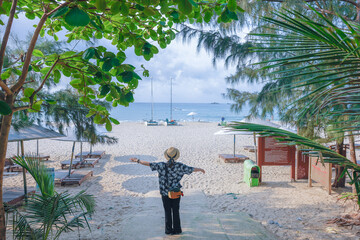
[[172, 215]]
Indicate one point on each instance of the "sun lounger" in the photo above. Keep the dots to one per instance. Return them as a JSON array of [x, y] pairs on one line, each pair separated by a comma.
[[84, 155], [14, 197], [66, 164], [77, 177], [10, 166], [89, 162], [249, 148], [97, 154], [230, 158], [41, 157], [61, 175]]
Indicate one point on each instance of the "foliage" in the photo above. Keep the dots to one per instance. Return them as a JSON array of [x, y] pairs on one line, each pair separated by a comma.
[[48, 214], [330, 69], [125, 24], [228, 43]]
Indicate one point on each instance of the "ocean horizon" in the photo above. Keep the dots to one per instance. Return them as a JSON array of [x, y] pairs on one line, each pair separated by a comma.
[[208, 112]]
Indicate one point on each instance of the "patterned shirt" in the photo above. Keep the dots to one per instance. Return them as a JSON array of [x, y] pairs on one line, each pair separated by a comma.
[[175, 174]]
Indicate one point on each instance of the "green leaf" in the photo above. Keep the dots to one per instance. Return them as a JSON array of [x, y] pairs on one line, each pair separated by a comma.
[[77, 17], [38, 53], [97, 118], [185, 6], [100, 4], [115, 7], [107, 65], [25, 99], [104, 90], [28, 92], [207, 16], [60, 12], [30, 15], [5, 75], [126, 76], [114, 121], [124, 9], [4, 108], [232, 5], [108, 125], [57, 76], [89, 53], [51, 101], [129, 97]]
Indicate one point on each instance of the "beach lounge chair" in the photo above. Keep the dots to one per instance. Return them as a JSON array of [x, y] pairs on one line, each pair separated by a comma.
[[230, 158], [75, 163], [14, 197], [96, 154], [89, 162], [77, 177], [10, 166], [41, 157], [84, 155], [61, 175], [249, 148]]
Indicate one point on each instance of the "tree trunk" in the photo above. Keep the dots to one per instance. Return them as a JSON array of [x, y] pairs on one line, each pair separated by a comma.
[[4, 134], [339, 182]]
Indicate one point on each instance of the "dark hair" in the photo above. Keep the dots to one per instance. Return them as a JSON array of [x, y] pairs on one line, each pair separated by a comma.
[[171, 162]]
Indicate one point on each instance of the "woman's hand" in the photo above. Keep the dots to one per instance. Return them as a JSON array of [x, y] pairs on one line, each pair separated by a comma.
[[134, 159], [202, 170]]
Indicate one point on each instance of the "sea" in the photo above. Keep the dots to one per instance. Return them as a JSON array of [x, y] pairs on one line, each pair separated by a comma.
[[206, 112]]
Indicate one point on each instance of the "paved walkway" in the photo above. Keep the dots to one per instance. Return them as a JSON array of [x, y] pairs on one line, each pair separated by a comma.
[[196, 219]]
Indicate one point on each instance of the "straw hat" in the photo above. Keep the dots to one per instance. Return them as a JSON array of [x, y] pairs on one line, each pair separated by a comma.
[[172, 153]]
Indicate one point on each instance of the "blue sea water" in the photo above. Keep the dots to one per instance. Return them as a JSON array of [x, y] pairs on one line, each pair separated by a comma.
[[205, 112]]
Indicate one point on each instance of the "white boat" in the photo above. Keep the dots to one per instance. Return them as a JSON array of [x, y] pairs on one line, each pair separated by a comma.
[[152, 122], [171, 122]]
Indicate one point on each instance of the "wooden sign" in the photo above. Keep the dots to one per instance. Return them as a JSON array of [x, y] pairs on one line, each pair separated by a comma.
[[320, 173], [273, 153]]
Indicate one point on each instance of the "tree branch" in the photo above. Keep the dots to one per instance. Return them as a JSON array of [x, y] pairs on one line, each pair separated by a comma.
[[44, 80], [5, 87], [4, 44], [55, 9], [21, 108], [7, 33]]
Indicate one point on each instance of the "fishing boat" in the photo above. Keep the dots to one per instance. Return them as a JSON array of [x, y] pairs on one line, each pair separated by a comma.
[[152, 122], [171, 122]]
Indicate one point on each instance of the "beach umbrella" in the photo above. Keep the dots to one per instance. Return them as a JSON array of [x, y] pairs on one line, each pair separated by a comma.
[[33, 132], [227, 131], [192, 114]]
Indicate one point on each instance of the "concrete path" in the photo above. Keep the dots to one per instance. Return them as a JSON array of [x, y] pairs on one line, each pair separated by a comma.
[[196, 219]]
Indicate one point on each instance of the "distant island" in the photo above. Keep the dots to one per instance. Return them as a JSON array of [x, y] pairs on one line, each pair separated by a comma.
[[215, 103]]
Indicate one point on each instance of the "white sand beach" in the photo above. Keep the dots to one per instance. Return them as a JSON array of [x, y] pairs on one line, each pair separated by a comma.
[[121, 187]]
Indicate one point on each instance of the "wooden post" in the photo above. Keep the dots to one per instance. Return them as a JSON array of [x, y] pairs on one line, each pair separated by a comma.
[[24, 173]]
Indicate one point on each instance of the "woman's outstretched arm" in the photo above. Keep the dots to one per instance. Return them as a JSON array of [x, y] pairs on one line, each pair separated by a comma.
[[145, 163], [199, 170]]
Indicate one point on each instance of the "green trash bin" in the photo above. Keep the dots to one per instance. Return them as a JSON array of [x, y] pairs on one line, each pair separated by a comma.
[[251, 173]]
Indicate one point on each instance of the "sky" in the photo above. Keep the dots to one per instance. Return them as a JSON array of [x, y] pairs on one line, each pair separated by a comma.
[[195, 79]]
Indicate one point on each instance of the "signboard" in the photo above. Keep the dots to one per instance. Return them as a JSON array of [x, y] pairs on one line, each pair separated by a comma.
[[273, 153], [320, 173], [302, 166]]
